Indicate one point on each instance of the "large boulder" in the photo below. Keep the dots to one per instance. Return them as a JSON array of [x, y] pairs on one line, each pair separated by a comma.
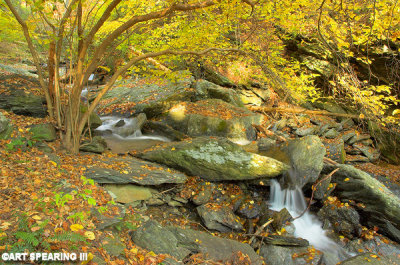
[[96, 145], [206, 90], [23, 103], [152, 97], [180, 243], [306, 158], [214, 117], [381, 206], [215, 159]]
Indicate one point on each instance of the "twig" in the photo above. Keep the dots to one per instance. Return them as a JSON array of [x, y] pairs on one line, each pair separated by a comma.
[[314, 187], [259, 230]]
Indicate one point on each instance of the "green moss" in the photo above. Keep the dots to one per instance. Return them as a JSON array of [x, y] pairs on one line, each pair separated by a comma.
[[222, 126]]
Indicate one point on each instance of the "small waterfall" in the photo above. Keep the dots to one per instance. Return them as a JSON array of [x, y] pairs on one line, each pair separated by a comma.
[[124, 134], [307, 226]]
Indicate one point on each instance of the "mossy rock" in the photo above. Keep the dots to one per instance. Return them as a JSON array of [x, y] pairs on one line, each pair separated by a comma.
[[214, 117], [94, 119], [43, 132], [215, 159]]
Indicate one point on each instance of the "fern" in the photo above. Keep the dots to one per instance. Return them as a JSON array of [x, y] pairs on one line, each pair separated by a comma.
[[69, 236], [29, 238]]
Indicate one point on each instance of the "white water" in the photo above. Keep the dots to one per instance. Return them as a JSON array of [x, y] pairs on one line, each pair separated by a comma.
[[307, 226], [109, 124]]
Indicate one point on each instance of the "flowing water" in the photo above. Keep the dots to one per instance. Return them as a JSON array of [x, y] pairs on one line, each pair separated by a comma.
[[123, 135], [307, 226]]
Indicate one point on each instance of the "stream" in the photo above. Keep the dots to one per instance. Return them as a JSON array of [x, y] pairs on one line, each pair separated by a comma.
[[123, 135]]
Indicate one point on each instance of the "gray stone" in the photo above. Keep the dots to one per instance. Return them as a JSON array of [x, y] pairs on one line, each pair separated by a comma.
[[306, 157], [134, 126], [219, 217], [344, 219], [154, 237], [278, 255], [206, 90], [162, 129], [22, 103], [306, 130], [147, 96], [215, 159], [136, 171], [368, 151], [366, 258], [358, 138], [43, 132], [266, 144], [6, 128], [215, 248], [204, 195], [96, 145], [249, 209], [113, 246], [331, 133], [214, 117], [127, 193], [380, 203], [335, 150]]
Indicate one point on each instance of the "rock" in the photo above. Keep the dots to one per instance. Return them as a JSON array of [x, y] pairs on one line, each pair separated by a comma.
[[335, 150], [97, 145], [331, 133], [106, 222], [323, 189], [120, 123], [94, 120], [334, 108], [306, 130], [206, 90], [6, 128], [127, 193], [133, 173], [358, 138], [344, 219], [205, 193], [365, 258], [371, 153], [249, 209], [152, 236], [113, 246], [377, 245], [43, 132], [219, 217], [215, 159], [306, 157], [162, 129], [380, 203], [280, 218], [287, 241], [319, 66], [214, 117], [23, 103], [347, 135], [214, 248], [42, 146], [266, 144], [152, 97], [202, 71], [277, 255], [356, 159]]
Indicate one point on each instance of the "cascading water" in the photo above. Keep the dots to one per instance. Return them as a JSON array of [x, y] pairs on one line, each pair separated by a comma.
[[307, 226], [124, 134]]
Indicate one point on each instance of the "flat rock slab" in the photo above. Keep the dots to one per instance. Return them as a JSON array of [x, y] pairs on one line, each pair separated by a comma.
[[180, 243], [135, 171], [127, 193], [219, 217], [215, 159]]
